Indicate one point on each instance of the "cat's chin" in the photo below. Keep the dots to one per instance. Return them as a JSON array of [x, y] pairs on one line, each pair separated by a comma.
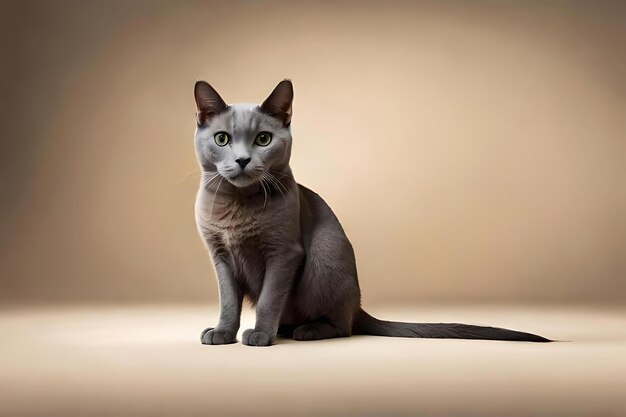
[[242, 181]]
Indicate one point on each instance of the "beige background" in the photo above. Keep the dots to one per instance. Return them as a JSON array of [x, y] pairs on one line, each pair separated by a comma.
[[473, 151]]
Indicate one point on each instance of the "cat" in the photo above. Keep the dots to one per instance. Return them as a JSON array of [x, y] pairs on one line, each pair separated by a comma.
[[277, 242]]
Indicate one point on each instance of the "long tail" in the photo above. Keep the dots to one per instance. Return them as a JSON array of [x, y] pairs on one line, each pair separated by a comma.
[[368, 325]]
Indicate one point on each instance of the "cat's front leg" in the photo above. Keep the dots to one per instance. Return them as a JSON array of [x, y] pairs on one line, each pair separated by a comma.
[[231, 299], [280, 272]]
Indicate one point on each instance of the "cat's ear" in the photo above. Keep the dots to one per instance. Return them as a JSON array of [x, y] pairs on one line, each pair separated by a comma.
[[208, 102], [278, 104]]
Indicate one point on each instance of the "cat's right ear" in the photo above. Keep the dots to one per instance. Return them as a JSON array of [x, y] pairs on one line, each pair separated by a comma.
[[208, 102]]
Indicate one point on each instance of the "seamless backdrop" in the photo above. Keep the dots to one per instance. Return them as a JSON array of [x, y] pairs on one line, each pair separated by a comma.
[[472, 152]]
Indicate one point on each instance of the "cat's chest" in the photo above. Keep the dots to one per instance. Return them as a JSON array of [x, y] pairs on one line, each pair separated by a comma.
[[243, 224], [237, 226], [230, 223]]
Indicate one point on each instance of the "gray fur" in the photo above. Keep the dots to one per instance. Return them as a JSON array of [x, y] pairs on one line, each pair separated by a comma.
[[278, 243]]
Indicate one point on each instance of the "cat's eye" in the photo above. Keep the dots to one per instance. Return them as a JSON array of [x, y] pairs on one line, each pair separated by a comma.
[[263, 138], [221, 138]]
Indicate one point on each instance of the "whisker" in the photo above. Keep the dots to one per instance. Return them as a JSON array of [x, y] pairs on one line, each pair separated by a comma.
[[215, 196], [264, 196], [188, 176], [282, 174], [206, 182], [276, 184], [279, 182]]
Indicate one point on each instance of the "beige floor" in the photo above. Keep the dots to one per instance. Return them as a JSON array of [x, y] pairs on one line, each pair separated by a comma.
[[147, 361]]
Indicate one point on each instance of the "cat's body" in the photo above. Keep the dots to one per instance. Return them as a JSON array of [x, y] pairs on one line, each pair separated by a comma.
[[278, 243]]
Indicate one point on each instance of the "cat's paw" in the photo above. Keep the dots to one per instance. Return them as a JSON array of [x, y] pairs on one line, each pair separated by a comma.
[[211, 336], [253, 337]]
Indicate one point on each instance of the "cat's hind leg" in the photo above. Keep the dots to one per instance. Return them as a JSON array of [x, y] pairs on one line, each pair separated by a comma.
[[286, 330], [316, 331], [336, 324]]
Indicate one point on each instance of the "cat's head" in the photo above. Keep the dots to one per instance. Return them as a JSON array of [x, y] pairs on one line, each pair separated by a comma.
[[242, 141]]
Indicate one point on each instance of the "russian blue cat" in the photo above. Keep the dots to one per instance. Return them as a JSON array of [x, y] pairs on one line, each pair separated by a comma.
[[278, 243]]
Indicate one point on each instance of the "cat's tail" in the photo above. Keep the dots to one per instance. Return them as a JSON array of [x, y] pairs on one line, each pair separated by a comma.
[[368, 325]]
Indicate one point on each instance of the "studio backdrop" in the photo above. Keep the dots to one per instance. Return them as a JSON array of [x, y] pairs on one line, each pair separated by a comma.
[[472, 153]]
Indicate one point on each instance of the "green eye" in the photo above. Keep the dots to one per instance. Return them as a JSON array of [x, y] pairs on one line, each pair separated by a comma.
[[263, 138], [221, 138]]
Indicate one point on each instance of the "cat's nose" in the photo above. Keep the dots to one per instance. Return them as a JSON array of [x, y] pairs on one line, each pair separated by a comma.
[[243, 162]]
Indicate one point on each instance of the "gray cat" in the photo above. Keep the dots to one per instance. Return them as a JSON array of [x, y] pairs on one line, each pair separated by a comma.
[[277, 242]]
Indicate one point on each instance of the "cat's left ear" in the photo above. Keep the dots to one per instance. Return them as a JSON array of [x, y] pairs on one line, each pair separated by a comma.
[[208, 102], [278, 104]]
